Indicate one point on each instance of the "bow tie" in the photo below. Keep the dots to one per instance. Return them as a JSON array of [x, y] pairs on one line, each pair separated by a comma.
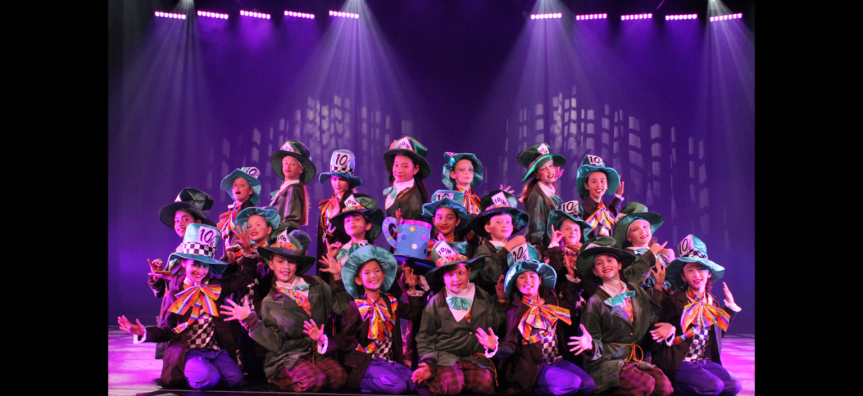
[[199, 296], [462, 304], [381, 321], [619, 299], [700, 313], [540, 317], [391, 192]]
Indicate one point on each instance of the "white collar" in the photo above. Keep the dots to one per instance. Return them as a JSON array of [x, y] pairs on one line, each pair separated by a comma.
[[612, 291], [401, 186], [496, 243], [467, 292], [351, 243], [288, 183], [549, 191]]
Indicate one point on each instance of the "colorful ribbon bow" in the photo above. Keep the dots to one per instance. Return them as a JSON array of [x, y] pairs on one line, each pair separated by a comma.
[[540, 317], [299, 298], [471, 202], [330, 207], [700, 313], [227, 220], [601, 220], [619, 299], [197, 296], [459, 303], [381, 321]]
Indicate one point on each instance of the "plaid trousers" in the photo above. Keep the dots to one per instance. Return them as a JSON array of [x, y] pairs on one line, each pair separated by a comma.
[[643, 379], [464, 375], [306, 376]]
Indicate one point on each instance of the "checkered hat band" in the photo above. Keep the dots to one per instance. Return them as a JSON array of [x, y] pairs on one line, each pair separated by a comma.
[[198, 249]]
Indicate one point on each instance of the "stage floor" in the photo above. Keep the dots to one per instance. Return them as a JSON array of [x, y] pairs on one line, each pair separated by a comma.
[[132, 369]]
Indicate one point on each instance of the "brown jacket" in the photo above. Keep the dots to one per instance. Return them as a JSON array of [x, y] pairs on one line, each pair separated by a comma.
[[411, 204]]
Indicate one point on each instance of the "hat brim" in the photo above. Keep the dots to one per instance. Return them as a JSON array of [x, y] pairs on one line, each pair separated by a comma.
[[621, 228], [228, 185], [353, 181], [519, 220], [373, 216], [274, 236], [361, 256], [558, 160], [216, 266], [434, 277], [477, 171], [309, 169], [303, 262], [584, 262], [675, 268], [557, 215], [419, 266], [390, 156], [431, 208], [545, 272], [585, 170], [167, 212]]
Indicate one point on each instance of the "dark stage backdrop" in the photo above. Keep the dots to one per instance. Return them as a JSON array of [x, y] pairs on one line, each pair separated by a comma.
[[670, 106]]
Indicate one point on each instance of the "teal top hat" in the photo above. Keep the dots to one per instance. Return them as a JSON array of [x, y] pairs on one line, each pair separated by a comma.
[[269, 213], [365, 206], [290, 244], [446, 254], [596, 246], [410, 238], [200, 244], [250, 173], [412, 148], [298, 150], [691, 250], [362, 256], [629, 214], [534, 157], [495, 203], [274, 236], [524, 258], [447, 199], [190, 200], [571, 210], [594, 163], [450, 159], [342, 164]]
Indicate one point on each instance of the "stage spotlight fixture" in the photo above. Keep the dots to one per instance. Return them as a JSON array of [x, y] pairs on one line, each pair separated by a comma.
[[299, 14], [344, 14], [726, 17], [680, 17], [546, 16], [170, 15], [254, 14], [635, 16], [209, 14], [590, 16]]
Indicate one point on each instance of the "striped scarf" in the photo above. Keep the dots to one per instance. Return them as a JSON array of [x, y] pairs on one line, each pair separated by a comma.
[[471, 202], [602, 220], [329, 208], [381, 321], [227, 220], [541, 318], [700, 313], [299, 298], [198, 296]]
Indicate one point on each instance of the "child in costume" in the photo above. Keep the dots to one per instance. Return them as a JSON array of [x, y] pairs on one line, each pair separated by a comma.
[[407, 165], [535, 335], [448, 215], [634, 230], [370, 333], [617, 318], [454, 346], [692, 361], [245, 189], [499, 219], [543, 171], [293, 164], [286, 324], [201, 350], [356, 226], [463, 172], [593, 180]]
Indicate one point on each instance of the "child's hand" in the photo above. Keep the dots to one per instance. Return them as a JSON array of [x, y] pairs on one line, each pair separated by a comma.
[[656, 248], [620, 188], [332, 266], [517, 240], [440, 237], [332, 249], [399, 219], [488, 340], [581, 344], [313, 331], [556, 235], [500, 290], [507, 189], [243, 237], [410, 279], [155, 265], [125, 325], [575, 248], [559, 173], [421, 374], [569, 264], [236, 311], [659, 275], [664, 329], [729, 299]]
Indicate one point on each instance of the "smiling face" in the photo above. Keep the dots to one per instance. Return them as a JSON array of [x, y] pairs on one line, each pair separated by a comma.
[[607, 268], [181, 220], [639, 233], [445, 220], [695, 275], [241, 190], [404, 168], [571, 232], [462, 173], [596, 184], [196, 271], [457, 278], [339, 185], [528, 284], [370, 276], [499, 227], [291, 168], [285, 268], [259, 230], [547, 173], [356, 226]]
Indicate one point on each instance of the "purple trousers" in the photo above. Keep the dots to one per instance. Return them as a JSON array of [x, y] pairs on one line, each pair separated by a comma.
[[206, 368], [705, 377], [387, 378], [563, 378]]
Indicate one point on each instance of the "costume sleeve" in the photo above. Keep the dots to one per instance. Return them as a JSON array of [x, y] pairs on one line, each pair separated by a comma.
[[426, 337], [555, 261], [291, 210], [640, 268], [569, 291], [264, 332], [241, 278], [513, 337], [493, 267], [346, 337], [412, 206], [341, 298], [592, 322], [614, 205], [157, 285], [329, 303], [535, 208], [413, 310]]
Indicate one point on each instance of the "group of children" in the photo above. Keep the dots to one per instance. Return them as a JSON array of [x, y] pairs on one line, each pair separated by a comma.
[[585, 302]]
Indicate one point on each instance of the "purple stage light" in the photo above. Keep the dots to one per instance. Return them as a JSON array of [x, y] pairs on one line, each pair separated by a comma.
[[590, 16], [726, 17], [299, 14], [170, 15], [680, 17], [254, 14], [546, 16], [209, 14], [635, 16], [344, 14]]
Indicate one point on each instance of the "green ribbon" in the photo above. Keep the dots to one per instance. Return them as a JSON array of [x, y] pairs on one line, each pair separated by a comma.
[[618, 299], [459, 303], [391, 192]]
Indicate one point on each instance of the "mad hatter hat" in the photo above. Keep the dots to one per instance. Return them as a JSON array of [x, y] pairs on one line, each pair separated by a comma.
[[412, 148], [368, 208], [342, 164], [290, 244], [298, 150], [450, 159], [691, 250], [495, 203], [524, 258], [534, 157], [594, 163], [568, 210], [250, 173], [200, 244], [447, 199], [270, 214], [362, 256], [447, 254], [274, 236], [600, 245], [190, 200], [629, 214]]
